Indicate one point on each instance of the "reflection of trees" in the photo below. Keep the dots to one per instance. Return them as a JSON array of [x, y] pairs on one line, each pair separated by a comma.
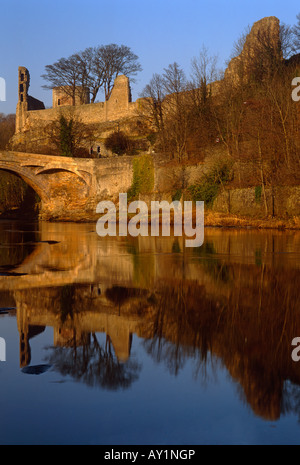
[[291, 399], [67, 298], [250, 330], [118, 295], [16, 245], [215, 268], [181, 329], [243, 315], [94, 364]]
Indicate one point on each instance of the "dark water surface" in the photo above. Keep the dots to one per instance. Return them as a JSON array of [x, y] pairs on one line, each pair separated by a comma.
[[121, 341]]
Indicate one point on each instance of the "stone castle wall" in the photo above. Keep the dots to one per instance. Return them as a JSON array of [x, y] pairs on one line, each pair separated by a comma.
[[88, 114], [117, 107], [60, 97]]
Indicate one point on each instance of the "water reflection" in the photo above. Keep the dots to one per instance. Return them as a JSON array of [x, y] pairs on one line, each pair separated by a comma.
[[235, 299]]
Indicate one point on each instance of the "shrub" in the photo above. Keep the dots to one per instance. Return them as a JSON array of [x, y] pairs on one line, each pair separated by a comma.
[[152, 137], [208, 187], [258, 190], [66, 137], [177, 195], [205, 191], [117, 142]]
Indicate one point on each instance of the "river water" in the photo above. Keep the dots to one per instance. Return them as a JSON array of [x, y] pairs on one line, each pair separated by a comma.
[[119, 341]]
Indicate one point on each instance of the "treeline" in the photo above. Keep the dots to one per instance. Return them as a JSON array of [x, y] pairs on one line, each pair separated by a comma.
[[7, 129], [248, 114]]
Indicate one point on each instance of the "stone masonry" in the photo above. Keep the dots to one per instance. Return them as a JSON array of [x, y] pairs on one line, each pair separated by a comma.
[[31, 113]]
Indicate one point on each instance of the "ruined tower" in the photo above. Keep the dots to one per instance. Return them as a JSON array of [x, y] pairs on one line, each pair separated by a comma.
[[63, 96], [262, 46], [25, 101]]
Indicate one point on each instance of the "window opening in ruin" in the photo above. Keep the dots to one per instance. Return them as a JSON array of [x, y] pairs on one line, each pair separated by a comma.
[[58, 101], [22, 77], [21, 87], [21, 97]]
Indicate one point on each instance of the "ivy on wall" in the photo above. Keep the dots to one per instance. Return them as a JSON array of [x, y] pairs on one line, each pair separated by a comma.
[[143, 176]]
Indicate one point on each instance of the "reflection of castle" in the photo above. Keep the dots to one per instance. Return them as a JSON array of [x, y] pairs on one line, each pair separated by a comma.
[[224, 299], [74, 314], [178, 320]]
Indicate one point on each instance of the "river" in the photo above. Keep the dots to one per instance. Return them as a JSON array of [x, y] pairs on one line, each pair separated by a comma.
[[123, 340]]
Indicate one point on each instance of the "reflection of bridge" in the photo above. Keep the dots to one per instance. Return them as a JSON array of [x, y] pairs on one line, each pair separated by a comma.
[[237, 298], [70, 188]]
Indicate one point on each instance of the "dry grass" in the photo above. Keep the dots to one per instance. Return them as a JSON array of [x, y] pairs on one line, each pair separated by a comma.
[[225, 220]]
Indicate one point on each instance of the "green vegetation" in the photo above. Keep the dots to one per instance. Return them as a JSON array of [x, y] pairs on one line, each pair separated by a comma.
[[143, 176], [208, 187], [66, 137], [219, 271], [152, 137], [177, 195], [258, 191]]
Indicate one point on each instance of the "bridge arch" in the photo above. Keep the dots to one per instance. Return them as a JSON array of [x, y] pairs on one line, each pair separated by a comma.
[[36, 184]]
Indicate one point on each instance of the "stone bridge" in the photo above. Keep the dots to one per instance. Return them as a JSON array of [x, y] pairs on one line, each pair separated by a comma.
[[70, 188]]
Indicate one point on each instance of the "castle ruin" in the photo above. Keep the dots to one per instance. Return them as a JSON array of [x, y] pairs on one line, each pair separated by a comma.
[[25, 101], [31, 113]]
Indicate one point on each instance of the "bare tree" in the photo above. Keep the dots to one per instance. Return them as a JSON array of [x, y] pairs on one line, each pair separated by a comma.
[[66, 72], [90, 75], [176, 109], [153, 95], [240, 42], [7, 129], [92, 68], [112, 60], [204, 72], [287, 40], [296, 33]]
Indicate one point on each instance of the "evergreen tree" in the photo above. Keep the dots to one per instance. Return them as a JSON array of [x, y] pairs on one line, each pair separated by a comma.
[[66, 137]]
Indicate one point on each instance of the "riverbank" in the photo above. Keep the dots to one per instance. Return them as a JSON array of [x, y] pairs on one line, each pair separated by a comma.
[[215, 219], [211, 219]]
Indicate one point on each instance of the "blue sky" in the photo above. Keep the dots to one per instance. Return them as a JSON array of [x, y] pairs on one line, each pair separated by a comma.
[[35, 33]]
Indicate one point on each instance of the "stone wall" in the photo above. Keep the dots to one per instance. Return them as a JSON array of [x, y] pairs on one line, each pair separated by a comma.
[[88, 113], [282, 202], [117, 107], [61, 96]]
